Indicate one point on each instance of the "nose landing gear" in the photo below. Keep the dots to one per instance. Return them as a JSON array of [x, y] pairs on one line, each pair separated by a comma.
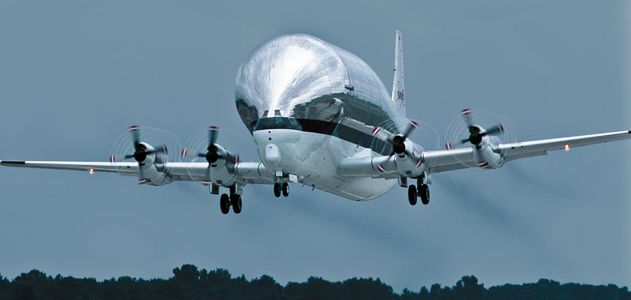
[[285, 189]]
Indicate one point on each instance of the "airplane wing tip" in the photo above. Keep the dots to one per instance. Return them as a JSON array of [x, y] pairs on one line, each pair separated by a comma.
[[10, 163]]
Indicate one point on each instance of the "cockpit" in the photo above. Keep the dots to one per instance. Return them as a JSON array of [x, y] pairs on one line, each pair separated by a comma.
[[276, 122]]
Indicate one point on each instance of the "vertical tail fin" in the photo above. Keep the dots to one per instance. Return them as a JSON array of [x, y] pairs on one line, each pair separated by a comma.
[[398, 83]]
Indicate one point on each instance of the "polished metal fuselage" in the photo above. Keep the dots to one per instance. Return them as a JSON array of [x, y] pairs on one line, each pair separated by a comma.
[[294, 93]]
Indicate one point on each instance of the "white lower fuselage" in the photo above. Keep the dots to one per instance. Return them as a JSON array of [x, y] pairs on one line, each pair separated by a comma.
[[314, 159]]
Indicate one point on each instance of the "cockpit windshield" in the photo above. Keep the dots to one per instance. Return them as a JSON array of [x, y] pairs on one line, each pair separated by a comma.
[[277, 123]]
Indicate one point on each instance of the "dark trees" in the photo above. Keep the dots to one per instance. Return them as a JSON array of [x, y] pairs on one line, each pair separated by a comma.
[[189, 282]]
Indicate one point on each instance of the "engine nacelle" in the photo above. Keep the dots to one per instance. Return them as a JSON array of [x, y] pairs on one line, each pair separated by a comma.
[[486, 158], [223, 170], [152, 169], [410, 166]]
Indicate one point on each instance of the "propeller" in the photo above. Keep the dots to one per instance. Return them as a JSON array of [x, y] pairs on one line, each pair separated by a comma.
[[211, 154], [140, 149], [476, 133], [213, 151], [396, 141]]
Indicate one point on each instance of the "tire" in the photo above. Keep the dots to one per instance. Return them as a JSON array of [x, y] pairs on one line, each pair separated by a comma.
[[285, 189], [412, 195], [424, 193], [236, 203], [277, 189], [224, 204]]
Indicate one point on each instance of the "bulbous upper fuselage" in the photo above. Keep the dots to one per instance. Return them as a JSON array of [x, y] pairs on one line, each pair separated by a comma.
[[296, 94]]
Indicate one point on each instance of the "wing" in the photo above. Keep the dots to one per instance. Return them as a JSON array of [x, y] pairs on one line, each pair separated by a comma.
[[243, 172], [461, 158], [125, 168], [455, 159]]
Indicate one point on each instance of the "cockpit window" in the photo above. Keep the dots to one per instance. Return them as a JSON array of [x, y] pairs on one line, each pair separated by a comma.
[[248, 113], [277, 123]]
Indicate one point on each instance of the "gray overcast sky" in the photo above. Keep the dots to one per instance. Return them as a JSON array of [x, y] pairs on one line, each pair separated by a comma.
[[75, 74]]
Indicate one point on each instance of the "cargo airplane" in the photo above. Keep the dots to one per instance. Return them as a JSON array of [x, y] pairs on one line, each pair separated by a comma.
[[321, 117]]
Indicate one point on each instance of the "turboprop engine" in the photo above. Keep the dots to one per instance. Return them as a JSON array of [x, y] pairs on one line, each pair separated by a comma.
[[150, 162], [484, 142]]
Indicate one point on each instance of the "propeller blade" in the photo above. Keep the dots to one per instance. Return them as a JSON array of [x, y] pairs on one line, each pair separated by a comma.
[[162, 149], [410, 127], [213, 132], [159, 149], [497, 129], [134, 130], [128, 156], [468, 119]]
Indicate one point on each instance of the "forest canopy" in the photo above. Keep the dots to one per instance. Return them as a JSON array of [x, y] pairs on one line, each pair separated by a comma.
[[189, 282]]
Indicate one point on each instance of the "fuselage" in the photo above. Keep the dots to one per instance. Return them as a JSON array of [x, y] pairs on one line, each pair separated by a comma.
[[298, 95]]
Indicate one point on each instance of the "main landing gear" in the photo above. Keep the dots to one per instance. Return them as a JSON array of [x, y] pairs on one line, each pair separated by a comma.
[[421, 192], [234, 201], [281, 188]]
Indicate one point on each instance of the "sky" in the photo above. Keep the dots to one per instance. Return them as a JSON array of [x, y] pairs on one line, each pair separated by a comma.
[[75, 74]]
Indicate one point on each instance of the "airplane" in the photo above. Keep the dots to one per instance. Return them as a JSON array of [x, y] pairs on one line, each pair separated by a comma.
[[322, 118]]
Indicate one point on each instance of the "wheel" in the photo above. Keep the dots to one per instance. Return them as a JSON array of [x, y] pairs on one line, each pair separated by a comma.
[[285, 189], [235, 202], [224, 203], [277, 189], [412, 194], [424, 193]]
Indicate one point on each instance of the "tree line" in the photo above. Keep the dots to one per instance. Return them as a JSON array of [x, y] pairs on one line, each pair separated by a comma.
[[189, 282]]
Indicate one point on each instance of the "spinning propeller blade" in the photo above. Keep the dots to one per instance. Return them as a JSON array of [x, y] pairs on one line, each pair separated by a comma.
[[476, 133], [213, 132], [141, 151], [397, 141], [211, 154]]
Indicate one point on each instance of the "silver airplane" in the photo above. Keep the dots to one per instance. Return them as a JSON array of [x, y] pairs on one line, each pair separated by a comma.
[[321, 117]]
